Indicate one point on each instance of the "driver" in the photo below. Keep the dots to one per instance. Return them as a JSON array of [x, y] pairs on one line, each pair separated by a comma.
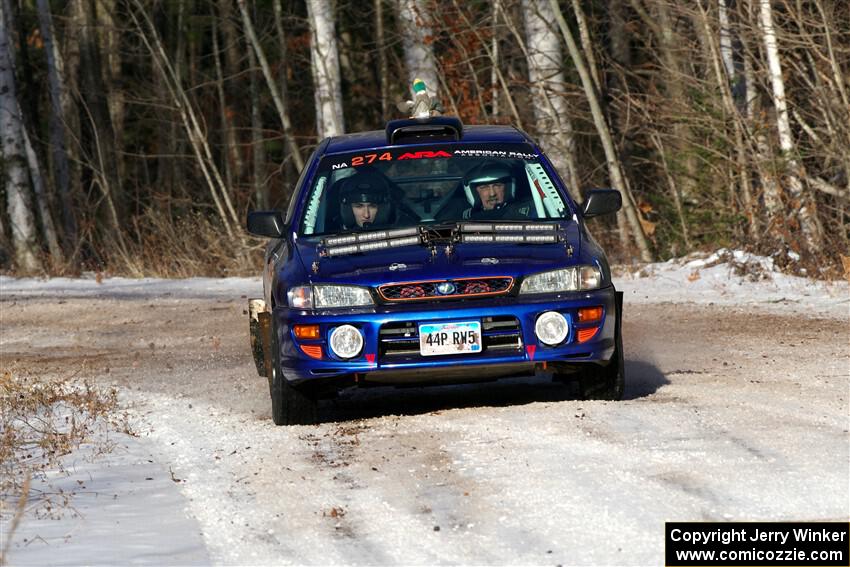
[[490, 189], [365, 202]]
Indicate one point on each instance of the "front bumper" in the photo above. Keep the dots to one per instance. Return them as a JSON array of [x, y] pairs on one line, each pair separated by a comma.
[[515, 347]]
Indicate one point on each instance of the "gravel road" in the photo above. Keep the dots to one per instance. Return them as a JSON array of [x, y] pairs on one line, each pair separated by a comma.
[[731, 414]]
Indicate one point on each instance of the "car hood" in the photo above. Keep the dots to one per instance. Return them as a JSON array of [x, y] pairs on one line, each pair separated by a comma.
[[416, 263]]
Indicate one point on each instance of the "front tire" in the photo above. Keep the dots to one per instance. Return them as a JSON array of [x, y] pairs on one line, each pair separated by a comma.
[[290, 405], [607, 382]]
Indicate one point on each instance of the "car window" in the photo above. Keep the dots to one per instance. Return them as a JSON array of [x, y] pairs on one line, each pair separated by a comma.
[[290, 208], [411, 186]]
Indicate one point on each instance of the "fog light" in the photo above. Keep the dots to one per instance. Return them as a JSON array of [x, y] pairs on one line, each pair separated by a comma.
[[346, 341], [551, 328]]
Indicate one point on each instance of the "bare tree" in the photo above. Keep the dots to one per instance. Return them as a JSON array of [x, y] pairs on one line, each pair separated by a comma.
[[277, 95], [802, 201], [670, 50], [383, 65], [416, 29], [19, 203], [325, 65], [291, 141], [615, 171], [203, 155], [232, 91], [39, 187], [95, 98], [258, 148], [58, 145], [554, 127]]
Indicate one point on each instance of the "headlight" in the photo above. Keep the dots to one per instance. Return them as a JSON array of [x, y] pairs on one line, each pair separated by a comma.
[[566, 279], [320, 296]]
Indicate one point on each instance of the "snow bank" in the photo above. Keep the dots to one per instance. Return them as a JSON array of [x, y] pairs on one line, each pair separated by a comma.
[[91, 286], [733, 278], [730, 278]]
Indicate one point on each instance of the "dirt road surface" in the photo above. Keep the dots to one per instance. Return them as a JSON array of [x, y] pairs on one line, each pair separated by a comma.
[[730, 414]]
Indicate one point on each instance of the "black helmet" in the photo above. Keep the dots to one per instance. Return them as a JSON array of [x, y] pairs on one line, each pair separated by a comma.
[[365, 187], [488, 172]]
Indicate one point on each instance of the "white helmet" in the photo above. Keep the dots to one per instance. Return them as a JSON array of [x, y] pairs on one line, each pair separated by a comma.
[[488, 172]]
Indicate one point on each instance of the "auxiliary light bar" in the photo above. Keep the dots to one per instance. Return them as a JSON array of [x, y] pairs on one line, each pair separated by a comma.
[[535, 238], [370, 236], [373, 245], [504, 227]]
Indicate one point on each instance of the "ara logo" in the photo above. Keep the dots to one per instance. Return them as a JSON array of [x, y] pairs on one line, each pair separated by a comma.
[[425, 154], [446, 288]]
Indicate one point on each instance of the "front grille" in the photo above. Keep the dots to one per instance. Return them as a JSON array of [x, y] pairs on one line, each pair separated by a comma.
[[498, 335], [446, 289]]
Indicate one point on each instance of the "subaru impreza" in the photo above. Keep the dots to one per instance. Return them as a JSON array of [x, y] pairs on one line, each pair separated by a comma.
[[431, 253]]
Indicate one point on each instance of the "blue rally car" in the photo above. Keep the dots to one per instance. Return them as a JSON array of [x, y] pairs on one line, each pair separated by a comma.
[[432, 253]]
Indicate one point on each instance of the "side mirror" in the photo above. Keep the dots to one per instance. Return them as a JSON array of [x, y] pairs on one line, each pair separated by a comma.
[[266, 223], [601, 202]]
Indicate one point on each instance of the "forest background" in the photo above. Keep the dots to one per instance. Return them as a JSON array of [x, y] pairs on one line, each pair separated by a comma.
[[137, 134]]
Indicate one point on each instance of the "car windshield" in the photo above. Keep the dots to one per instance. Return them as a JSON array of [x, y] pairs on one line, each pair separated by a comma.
[[404, 187]]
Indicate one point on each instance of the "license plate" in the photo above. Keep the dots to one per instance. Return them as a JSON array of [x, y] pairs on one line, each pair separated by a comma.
[[462, 337]]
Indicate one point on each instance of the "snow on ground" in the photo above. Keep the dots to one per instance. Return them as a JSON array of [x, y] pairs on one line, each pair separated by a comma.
[[733, 278], [210, 481], [125, 509], [128, 288]]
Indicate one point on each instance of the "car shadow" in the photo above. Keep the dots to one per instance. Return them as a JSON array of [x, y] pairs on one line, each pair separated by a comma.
[[642, 379]]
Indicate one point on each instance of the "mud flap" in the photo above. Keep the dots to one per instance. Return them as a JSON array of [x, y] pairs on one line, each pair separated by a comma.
[[618, 329], [259, 321]]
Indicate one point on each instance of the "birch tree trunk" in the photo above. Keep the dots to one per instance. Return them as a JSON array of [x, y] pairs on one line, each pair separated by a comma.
[[277, 95], [416, 28], [615, 171], [58, 146], [587, 44], [554, 127], [19, 204], [722, 59], [324, 61], [48, 229], [802, 201]]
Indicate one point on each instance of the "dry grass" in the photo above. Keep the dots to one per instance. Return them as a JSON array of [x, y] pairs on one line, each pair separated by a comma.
[[195, 245]]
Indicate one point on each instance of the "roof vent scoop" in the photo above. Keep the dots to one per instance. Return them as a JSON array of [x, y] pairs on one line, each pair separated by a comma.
[[436, 128]]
